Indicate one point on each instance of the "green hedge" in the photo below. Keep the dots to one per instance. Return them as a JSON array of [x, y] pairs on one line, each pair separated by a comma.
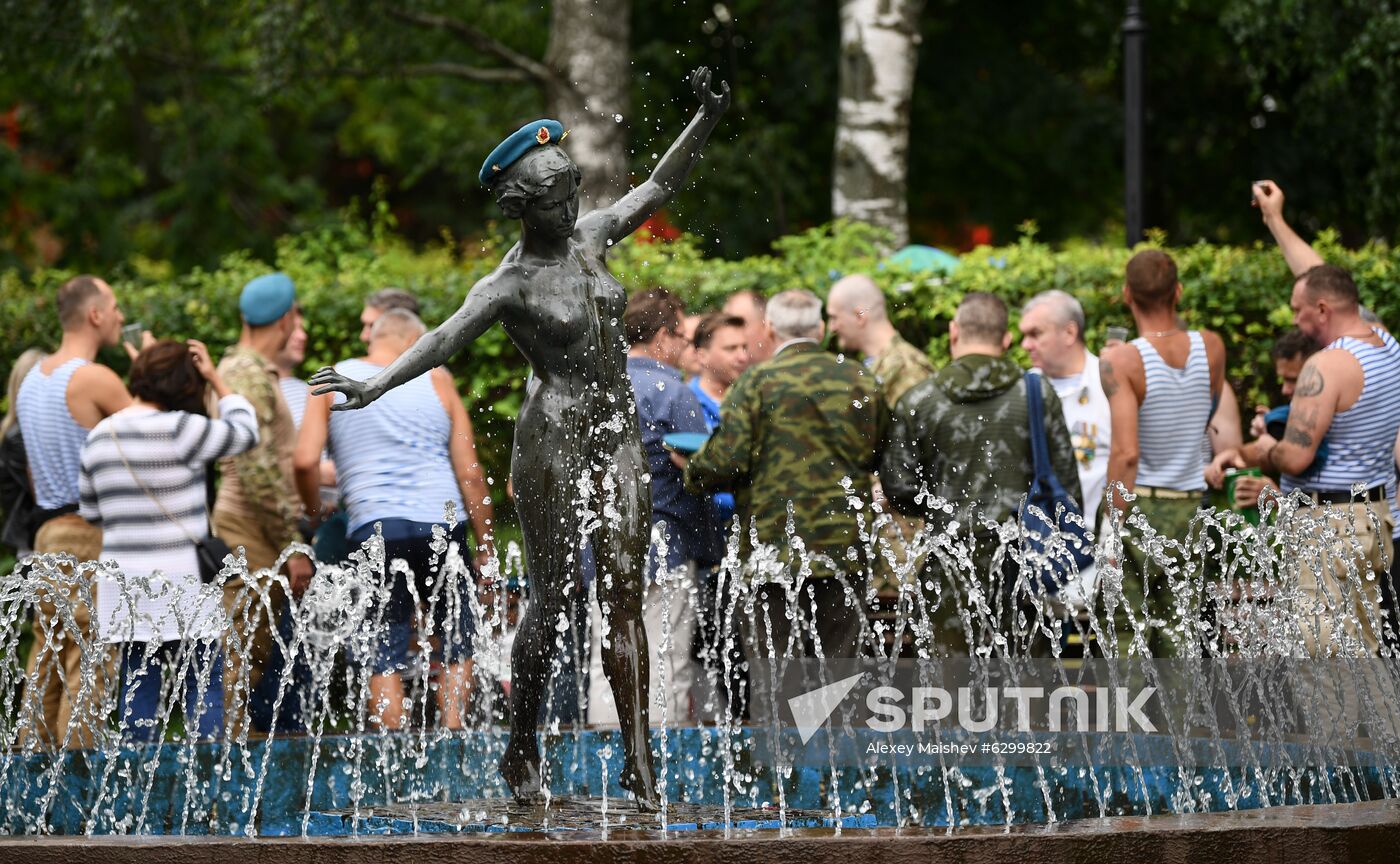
[[1240, 293]]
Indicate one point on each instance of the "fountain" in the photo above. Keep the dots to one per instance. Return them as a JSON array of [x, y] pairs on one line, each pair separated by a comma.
[[1055, 730], [1238, 722], [577, 465]]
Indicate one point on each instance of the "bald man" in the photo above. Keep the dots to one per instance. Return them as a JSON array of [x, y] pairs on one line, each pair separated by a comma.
[[856, 314], [1052, 333]]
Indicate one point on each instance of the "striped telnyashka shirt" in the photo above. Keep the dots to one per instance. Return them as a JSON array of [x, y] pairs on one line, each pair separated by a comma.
[[1175, 412], [169, 451], [53, 440], [1361, 439], [392, 457], [296, 392]]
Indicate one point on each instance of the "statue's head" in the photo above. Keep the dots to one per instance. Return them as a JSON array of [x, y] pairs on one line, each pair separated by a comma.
[[540, 189]]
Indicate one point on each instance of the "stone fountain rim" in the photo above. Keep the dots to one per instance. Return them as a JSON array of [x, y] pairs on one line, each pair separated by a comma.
[[1316, 833]]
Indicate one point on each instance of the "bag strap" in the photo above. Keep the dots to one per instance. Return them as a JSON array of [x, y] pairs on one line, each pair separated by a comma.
[[1040, 448], [116, 440]]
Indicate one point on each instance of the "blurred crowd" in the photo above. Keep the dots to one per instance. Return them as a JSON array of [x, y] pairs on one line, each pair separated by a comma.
[[160, 476], [806, 473]]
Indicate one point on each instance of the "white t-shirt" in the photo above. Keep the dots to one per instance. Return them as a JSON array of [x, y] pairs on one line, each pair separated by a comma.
[[1086, 414]]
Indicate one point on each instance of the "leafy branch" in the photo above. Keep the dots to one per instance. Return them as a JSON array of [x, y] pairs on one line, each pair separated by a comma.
[[480, 41]]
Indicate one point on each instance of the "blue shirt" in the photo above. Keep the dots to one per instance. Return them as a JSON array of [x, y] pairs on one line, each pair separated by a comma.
[[666, 405], [724, 501]]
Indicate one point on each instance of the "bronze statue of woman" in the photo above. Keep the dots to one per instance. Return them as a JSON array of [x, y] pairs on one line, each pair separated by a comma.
[[577, 466]]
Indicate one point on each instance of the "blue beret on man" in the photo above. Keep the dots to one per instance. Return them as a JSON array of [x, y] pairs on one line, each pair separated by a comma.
[[267, 298], [520, 142]]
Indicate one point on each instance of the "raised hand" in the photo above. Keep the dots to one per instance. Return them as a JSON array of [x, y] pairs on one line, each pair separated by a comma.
[[199, 353], [711, 102], [147, 340], [1268, 198], [357, 393]]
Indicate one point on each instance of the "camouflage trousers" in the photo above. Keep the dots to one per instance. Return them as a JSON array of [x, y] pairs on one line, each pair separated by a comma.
[[248, 645], [1351, 603], [1147, 587], [830, 611]]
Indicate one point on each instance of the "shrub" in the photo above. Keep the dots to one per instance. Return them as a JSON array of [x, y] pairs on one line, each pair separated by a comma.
[[1242, 293]]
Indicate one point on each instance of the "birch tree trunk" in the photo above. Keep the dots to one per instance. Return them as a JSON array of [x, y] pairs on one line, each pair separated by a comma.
[[589, 90], [879, 53]]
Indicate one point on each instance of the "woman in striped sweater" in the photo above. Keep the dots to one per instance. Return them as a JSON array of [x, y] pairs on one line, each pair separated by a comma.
[[143, 481]]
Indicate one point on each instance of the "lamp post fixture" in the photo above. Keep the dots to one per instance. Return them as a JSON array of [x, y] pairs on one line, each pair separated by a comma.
[[1134, 49]]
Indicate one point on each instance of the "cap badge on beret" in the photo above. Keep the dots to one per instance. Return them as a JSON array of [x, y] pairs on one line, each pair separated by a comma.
[[517, 144]]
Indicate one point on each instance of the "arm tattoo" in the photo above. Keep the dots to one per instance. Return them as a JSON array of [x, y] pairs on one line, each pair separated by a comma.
[[1302, 428], [1298, 437], [1303, 418], [1106, 377], [1310, 382]]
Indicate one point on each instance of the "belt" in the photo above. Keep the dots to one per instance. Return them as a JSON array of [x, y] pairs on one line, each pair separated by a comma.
[[41, 515], [1167, 494], [1344, 496]]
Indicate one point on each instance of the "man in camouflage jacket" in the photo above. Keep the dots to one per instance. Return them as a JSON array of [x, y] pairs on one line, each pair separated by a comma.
[[963, 437], [799, 436], [857, 316], [257, 511]]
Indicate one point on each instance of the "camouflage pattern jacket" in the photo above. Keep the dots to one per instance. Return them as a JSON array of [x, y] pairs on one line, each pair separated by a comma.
[[259, 484], [899, 368], [792, 431], [963, 435]]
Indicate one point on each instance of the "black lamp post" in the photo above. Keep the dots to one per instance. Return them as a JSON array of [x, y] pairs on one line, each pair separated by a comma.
[[1134, 49]]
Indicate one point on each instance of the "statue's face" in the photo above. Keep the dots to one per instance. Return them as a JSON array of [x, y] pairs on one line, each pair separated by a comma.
[[554, 213]]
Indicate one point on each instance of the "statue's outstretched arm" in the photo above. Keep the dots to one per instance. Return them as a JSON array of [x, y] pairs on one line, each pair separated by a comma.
[[488, 301], [634, 208]]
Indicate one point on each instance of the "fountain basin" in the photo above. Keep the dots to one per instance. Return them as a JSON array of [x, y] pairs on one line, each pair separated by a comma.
[[349, 784], [1364, 832]]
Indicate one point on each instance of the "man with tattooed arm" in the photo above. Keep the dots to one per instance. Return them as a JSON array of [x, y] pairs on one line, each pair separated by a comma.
[[1349, 393]]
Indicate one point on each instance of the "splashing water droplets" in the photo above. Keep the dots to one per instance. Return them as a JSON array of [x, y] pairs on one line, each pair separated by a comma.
[[1228, 590]]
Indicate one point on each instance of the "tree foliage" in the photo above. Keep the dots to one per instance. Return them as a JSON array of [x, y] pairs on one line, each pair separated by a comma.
[[184, 131], [1326, 77]]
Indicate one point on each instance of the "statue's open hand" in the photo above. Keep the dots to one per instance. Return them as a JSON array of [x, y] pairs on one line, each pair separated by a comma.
[[713, 103], [327, 380]]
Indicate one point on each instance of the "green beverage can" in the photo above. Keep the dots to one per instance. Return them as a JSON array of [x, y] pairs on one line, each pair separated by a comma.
[[1250, 513]]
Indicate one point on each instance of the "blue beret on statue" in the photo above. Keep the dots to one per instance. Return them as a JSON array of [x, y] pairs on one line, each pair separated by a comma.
[[519, 143], [267, 298]]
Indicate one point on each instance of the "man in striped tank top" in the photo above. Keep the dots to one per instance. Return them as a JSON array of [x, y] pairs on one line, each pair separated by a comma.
[[60, 401], [1348, 393], [401, 461], [1162, 388]]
